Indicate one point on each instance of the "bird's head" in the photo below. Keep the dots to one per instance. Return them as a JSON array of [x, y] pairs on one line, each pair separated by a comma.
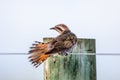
[[61, 28]]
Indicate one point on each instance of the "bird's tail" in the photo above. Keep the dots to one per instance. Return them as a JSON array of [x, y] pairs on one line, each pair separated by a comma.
[[37, 53]]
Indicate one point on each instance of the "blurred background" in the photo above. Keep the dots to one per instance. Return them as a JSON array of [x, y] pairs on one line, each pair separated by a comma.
[[24, 21]]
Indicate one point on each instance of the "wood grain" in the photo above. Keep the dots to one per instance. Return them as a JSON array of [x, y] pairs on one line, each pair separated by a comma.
[[74, 66]]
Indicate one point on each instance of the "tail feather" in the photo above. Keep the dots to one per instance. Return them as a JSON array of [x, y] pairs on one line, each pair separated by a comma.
[[42, 59], [37, 61], [37, 53], [38, 47]]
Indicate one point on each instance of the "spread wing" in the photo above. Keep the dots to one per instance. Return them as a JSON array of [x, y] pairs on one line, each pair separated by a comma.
[[63, 42]]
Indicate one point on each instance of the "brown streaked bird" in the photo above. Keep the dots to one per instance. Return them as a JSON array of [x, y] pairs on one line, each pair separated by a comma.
[[62, 44]]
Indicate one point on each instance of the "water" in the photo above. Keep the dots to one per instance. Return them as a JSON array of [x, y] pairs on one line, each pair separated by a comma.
[[16, 66]]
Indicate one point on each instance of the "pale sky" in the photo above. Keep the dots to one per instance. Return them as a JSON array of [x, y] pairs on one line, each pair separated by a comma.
[[24, 21]]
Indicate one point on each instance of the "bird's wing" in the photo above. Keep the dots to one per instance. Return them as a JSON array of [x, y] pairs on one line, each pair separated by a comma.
[[68, 39], [63, 42]]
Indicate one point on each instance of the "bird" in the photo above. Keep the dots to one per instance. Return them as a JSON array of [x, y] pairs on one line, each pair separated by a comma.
[[62, 44]]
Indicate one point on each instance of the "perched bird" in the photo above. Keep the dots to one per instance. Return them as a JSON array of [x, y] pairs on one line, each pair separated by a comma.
[[62, 44]]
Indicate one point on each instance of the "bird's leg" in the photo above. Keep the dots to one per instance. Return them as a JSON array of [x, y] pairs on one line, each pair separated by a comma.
[[54, 60], [66, 53], [63, 53]]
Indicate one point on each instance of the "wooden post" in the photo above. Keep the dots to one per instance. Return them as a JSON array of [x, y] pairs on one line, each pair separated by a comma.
[[74, 66]]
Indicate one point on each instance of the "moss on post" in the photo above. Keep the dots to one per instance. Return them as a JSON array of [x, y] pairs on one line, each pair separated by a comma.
[[74, 66]]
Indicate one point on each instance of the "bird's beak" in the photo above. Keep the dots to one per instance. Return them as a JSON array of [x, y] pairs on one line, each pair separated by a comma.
[[52, 28]]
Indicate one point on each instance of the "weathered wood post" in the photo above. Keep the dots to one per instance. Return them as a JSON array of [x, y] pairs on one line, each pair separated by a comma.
[[74, 66]]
